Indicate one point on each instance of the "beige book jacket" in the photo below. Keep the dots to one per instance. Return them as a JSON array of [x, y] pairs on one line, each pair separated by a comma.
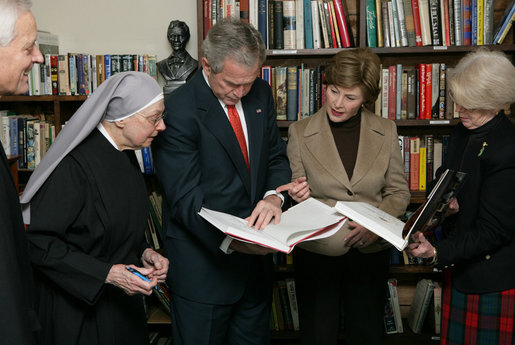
[[378, 176]]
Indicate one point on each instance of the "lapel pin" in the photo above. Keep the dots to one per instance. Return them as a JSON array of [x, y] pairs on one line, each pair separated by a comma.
[[482, 149], [258, 111]]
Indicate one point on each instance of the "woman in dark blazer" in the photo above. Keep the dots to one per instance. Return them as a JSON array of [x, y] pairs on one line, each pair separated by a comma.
[[479, 285], [344, 152]]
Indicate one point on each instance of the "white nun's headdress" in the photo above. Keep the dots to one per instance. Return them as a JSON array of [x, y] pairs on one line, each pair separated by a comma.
[[117, 98]]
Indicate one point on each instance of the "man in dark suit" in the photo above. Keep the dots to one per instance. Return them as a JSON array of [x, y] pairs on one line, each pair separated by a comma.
[[221, 150], [18, 53]]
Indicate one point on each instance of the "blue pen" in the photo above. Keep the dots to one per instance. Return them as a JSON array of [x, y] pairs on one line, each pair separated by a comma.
[[132, 270]]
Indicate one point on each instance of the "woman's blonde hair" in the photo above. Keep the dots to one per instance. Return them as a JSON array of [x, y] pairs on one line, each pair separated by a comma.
[[483, 80]]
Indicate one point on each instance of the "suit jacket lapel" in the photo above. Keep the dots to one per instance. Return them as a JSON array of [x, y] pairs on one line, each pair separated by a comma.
[[320, 142], [218, 124], [370, 142]]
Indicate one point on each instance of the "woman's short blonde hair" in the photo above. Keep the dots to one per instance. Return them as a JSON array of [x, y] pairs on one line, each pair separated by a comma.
[[483, 80], [355, 67]]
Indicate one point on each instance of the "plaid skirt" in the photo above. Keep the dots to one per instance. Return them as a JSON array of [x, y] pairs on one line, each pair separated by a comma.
[[477, 319]]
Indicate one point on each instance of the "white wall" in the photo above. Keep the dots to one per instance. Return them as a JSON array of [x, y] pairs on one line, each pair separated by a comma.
[[115, 26]]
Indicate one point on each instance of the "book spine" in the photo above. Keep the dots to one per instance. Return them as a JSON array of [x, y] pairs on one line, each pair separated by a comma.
[[147, 160], [308, 24], [467, 22], [429, 90], [396, 24], [435, 91], [342, 23], [414, 163], [384, 92], [402, 23], [480, 15], [411, 94], [434, 12], [392, 92], [422, 91], [107, 65], [458, 25], [281, 92], [410, 24], [416, 23], [317, 38], [425, 22], [473, 22], [488, 22], [398, 92], [379, 24], [299, 24], [278, 25], [371, 23], [386, 24], [262, 20], [292, 94], [289, 22], [441, 109], [54, 72]]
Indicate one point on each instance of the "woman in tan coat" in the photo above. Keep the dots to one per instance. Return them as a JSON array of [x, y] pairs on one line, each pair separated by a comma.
[[344, 152]]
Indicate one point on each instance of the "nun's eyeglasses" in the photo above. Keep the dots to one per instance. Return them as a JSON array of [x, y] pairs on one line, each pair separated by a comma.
[[154, 120]]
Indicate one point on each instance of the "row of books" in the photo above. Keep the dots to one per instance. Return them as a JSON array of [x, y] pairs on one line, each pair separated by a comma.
[[80, 74], [285, 313], [288, 24], [425, 305], [422, 156], [29, 136], [415, 92], [403, 23], [298, 90]]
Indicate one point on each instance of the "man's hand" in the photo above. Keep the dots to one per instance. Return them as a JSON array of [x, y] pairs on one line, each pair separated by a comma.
[[298, 190], [249, 248], [130, 283], [264, 211]]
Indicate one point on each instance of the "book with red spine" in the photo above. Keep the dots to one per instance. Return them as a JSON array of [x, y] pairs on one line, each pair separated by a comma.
[[342, 23], [416, 23]]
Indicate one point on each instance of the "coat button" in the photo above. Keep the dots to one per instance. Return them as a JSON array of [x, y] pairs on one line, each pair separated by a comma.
[[350, 193], [487, 257]]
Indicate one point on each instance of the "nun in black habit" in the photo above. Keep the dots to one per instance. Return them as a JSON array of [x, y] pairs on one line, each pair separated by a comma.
[[87, 207]]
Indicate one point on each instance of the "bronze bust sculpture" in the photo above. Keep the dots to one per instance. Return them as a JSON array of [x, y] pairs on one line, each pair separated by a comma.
[[179, 66]]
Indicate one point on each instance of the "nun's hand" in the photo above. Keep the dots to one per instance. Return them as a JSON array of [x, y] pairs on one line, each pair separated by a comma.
[[129, 282], [158, 263]]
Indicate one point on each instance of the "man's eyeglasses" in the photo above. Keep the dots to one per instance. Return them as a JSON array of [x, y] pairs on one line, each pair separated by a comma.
[[153, 120]]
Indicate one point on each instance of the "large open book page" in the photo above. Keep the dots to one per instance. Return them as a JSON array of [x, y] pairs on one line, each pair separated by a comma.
[[308, 220], [430, 213]]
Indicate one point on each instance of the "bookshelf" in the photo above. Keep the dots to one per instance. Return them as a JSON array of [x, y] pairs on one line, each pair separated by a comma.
[[407, 275]]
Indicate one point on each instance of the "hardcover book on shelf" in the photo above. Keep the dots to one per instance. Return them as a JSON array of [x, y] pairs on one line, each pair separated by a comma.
[[425, 22], [420, 305], [308, 220], [289, 24], [308, 25], [416, 23], [371, 23], [410, 24], [292, 298], [437, 306], [394, 295], [394, 230], [389, 319]]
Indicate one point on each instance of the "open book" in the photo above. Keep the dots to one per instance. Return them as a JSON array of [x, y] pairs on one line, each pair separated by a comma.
[[309, 220], [430, 213]]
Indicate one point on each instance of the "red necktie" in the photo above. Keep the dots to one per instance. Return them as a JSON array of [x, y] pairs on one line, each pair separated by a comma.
[[234, 118]]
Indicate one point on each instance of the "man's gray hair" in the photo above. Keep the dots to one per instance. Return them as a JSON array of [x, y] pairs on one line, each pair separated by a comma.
[[235, 39], [9, 12]]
